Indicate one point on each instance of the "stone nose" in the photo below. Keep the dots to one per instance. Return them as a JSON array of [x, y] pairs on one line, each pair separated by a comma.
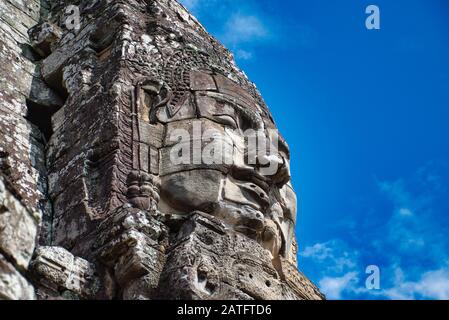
[[275, 168]]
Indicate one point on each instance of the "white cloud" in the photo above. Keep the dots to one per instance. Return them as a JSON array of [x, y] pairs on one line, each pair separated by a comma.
[[338, 267], [319, 251], [334, 255], [243, 54], [243, 29], [239, 26], [340, 276], [413, 235], [405, 212], [431, 285], [334, 287], [411, 246], [434, 284], [413, 227]]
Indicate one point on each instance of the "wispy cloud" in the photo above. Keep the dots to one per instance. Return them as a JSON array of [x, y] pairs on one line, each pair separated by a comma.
[[337, 264], [434, 284], [415, 225], [430, 285], [245, 27], [335, 255], [242, 29], [190, 4], [333, 287], [243, 54], [411, 243], [240, 26], [347, 280]]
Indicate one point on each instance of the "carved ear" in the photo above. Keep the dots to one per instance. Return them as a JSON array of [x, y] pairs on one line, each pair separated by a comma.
[[152, 87], [164, 96], [156, 94]]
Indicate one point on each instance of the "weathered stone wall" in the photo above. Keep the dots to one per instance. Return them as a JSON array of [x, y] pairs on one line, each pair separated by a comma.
[[86, 116], [22, 146]]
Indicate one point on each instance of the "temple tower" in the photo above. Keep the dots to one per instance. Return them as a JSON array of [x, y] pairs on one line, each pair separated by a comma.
[[127, 155]]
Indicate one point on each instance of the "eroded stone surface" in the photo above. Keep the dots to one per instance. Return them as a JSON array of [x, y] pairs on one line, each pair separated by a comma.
[[22, 151], [209, 261], [13, 286], [88, 121], [19, 228], [58, 272]]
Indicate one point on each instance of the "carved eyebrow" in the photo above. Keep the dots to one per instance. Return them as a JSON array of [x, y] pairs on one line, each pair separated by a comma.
[[229, 120], [245, 112]]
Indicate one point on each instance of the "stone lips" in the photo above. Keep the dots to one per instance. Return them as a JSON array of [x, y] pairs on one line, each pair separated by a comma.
[[86, 171]]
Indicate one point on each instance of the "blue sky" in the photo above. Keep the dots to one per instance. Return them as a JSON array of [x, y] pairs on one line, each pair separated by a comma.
[[366, 115]]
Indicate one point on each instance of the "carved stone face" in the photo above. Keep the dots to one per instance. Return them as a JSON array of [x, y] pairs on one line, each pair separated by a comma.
[[210, 161]]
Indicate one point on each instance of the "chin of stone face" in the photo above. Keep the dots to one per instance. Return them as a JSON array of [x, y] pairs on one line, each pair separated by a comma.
[[130, 161]]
